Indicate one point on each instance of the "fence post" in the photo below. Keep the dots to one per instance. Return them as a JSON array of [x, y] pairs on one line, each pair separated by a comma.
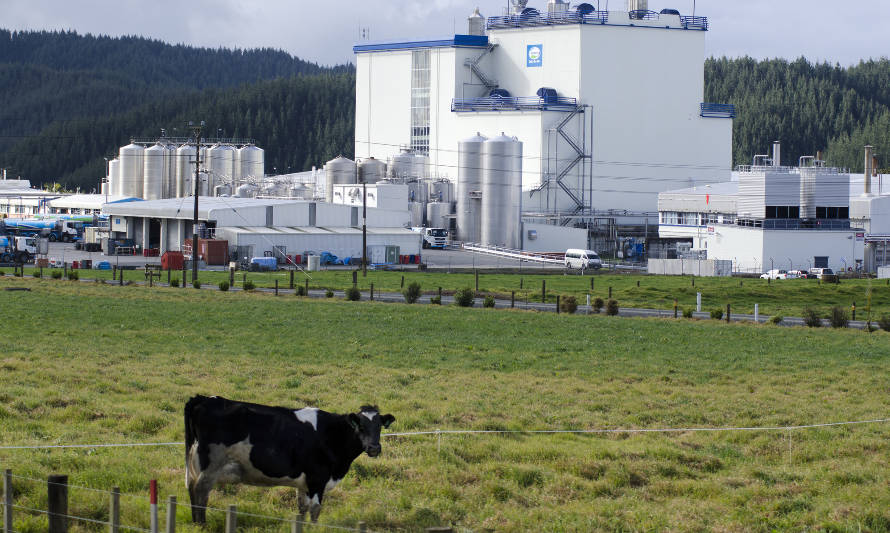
[[114, 511], [728, 313], [168, 276], [522, 284], [403, 282], [7, 501], [153, 505], [57, 502], [151, 279], [557, 304], [362, 527], [171, 514], [698, 302], [372, 291], [440, 294], [307, 288], [297, 525], [183, 275], [65, 266], [120, 277], [291, 280], [610, 293], [676, 306], [591, 283], [477, 281], [756, 313], [354, 278], [276, 287], [113, 272], [512, 299], [439, 530], [543, 290], [693, 281], [231, 276], [854, 310], [231, 519]]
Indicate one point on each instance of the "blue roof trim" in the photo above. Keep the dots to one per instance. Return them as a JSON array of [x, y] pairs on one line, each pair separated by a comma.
[[472, 41]]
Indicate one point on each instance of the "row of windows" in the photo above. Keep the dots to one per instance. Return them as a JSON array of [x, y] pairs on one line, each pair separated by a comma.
[[694, 219], [420, 101], [833, 213], [782, 211]]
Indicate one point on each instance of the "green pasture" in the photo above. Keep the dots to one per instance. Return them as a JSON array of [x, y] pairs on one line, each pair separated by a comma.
[[778, 297], [90, 363]]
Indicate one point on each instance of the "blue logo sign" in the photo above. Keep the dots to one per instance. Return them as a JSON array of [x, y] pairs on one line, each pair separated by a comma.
[[534, 55]]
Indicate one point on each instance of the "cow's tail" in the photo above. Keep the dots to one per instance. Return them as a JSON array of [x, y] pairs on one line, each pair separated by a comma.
[[190, 433]]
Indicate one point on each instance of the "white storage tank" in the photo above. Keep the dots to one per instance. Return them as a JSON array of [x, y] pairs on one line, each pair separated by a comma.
[[441, 191], [469, 188], [421, 166], [418, 191], [339, 171], [221, 163], [155, 168], [132, 166], [248, 190], [401, 166], [437, 214], [170, 174], [371, 170], [418, 213], [252, 160], [185, 170], [501, 191], [222, 190], [114, 177]]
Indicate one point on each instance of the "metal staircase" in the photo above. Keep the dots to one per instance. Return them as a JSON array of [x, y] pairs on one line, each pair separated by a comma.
[[473, 65], [578, 156]]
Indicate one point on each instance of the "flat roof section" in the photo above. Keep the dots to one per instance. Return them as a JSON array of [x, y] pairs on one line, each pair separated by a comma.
[[459, 41]]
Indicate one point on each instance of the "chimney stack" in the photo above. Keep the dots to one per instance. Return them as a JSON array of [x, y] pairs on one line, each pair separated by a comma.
[[777, 154], [869, 160]]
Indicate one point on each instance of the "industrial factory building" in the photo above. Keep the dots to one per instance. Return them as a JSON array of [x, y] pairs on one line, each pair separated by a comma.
[[550, 112]]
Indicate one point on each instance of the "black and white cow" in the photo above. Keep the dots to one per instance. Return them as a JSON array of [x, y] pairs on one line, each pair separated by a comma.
[[228, 441]]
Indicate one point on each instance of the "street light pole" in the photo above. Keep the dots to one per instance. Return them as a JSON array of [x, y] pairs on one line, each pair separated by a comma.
[[364, 229]]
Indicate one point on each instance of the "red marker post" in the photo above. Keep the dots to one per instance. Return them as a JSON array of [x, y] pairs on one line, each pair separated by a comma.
[[153, 500]]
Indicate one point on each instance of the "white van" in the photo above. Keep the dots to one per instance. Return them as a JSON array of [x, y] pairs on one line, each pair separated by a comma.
[[583, 259]]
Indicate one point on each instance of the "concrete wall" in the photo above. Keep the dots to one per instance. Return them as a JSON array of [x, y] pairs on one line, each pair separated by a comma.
[[552, 238], [339, 244], [690, 267], [884, 272]]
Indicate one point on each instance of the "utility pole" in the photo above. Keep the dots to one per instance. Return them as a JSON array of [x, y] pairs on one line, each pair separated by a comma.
[[196, 131], [364, 229]]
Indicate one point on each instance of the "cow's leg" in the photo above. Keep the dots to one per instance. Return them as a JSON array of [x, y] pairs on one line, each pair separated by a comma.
[[199, 493], [302, 503], [316, 494]]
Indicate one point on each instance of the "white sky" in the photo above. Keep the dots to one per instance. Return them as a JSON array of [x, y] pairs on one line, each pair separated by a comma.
[[325, 32]]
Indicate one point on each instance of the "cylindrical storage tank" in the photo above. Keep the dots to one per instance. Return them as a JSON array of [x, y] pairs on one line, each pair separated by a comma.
[[441, 191], [248, 190], [236, 167], [114, 177], [418, 213], [132, 166], [421, 166], [339, 171], [185, 171], [170, 172], [437, 214], [637, 5], [205, 184], [501, 191], [476, 23], [300, 191], [371, 170], [418, 191], [221, 163], [469, 188], [154, 170], [401, 166], [222, 190], [252, 161]]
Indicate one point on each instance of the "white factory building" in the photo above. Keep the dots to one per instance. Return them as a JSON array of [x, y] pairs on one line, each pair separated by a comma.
[[773, 216], [608, 107]]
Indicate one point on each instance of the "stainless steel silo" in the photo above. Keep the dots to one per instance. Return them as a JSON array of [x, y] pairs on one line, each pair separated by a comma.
[[421, 166], [501, 191], [371, 170], [170, 171], [252, 160], [154, 169], [401, 166], [114, 177], [437, 214], [221, 163], [339, 171], [248, 190], [441, 191], [132, 161], [418, 213], [185, 170], [469, 188]]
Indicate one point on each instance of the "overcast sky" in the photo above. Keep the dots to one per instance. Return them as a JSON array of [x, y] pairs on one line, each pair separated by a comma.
[[324, 31]]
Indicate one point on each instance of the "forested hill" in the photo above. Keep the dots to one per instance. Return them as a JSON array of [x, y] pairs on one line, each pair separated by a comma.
[[809, 107]]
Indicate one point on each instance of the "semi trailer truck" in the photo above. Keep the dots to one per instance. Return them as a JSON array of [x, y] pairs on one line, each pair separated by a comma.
[[18, 249], [53, 229]]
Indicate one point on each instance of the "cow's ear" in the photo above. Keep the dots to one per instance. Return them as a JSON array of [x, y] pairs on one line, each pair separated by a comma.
[[355, 422], [387, 420]]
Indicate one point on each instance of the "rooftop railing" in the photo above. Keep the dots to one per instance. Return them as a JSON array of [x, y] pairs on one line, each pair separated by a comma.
[[694, 23], [514, 103], [547, 19], [718, 110], [794, 223]]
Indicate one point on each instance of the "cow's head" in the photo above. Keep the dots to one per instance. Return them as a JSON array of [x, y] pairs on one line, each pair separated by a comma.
[[367, 424]]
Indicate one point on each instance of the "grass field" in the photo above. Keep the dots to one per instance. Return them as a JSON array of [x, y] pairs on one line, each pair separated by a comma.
[[781, 297], [91, 363]]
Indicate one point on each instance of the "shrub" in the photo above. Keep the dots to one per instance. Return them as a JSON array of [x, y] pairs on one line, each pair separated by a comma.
[[2, 273], [436, 300], [73, 275], [329, 293], [488, 302], [717, 314], [57, 274], [36, 274], [884, 322], [568, 304], [353, 294], [174, 282], [301, 290], [412, 293], [839, 317], [776, 320], [612, 308], [464, 297], [687, 312], [196, 284], [224, 285], [248, 285], [812, 318], [598, 304]]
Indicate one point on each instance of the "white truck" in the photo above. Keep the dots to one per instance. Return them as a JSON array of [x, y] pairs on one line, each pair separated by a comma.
[[433, 237], [17, 249]]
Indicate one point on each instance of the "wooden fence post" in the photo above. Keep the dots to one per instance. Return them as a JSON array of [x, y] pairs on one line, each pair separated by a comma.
[[557, 304], [7, 501], [403, 282], [153, 505], [114, 511], [512, 299], [171, 514], [610, 292], [543, 290], [728, 313], [168, 276], [477, 281], [307, 287], [276, 287], [297, 525], [231, 519], [291, 280], [57, 502], [362, 527], [372, 291], [439, 530]]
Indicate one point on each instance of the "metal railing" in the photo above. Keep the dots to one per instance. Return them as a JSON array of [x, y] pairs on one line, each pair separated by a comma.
[[718, 110], [643, 14], [694, 23], [547, 19], [514, 103], [794, 223]]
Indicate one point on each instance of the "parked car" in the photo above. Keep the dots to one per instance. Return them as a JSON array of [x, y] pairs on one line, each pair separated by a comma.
[[802, 274], [776, 274], [819, 273]]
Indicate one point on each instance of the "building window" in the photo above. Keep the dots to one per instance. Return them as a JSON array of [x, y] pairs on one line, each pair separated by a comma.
[[670, 217], [782, 211], [833, 213], [420, 101]]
